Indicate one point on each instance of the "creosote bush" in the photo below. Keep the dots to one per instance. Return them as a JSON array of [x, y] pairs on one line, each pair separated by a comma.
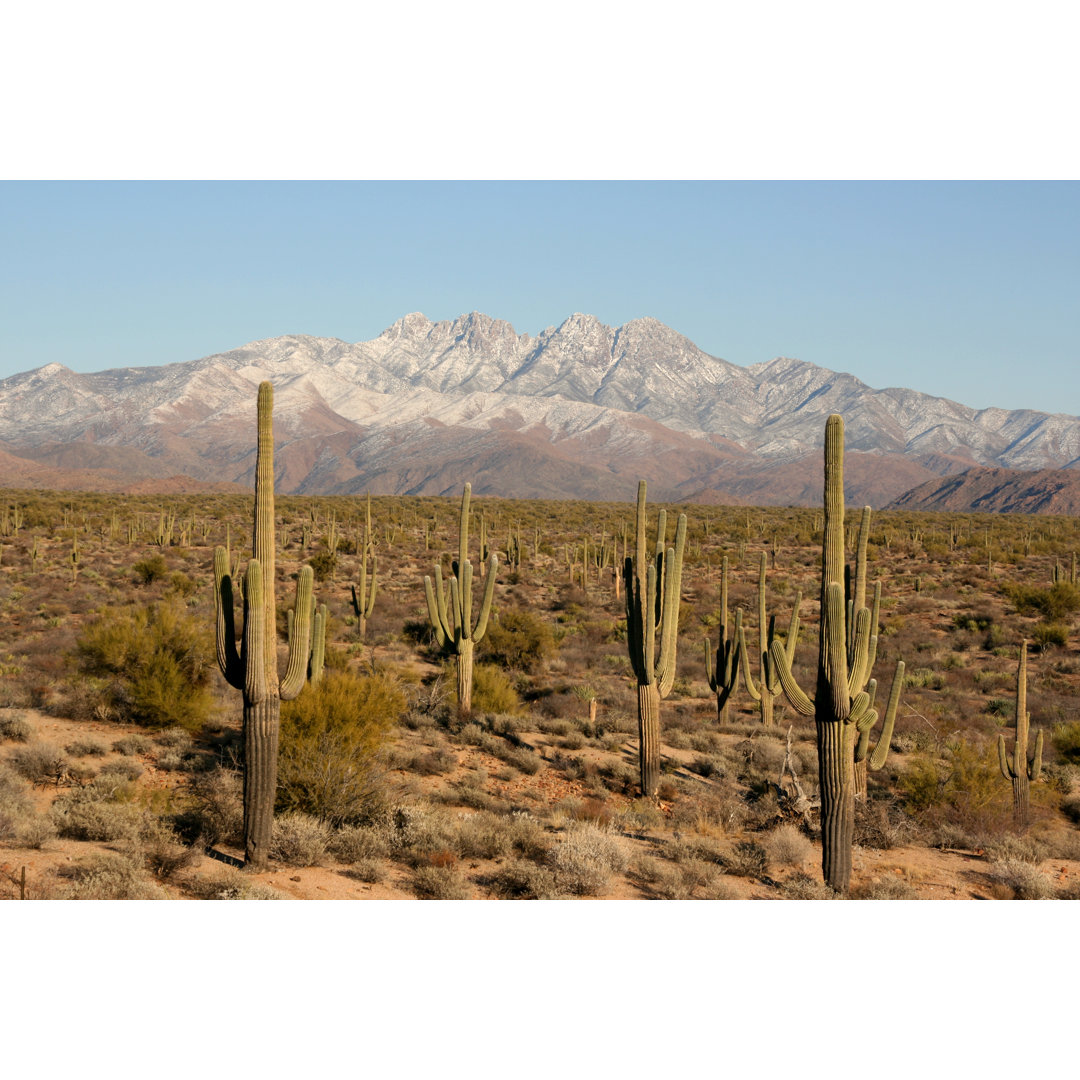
[[518, 639], [330, 743], [154, 664]]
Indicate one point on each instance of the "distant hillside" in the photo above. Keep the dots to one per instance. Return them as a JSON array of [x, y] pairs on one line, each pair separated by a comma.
[[997, 491]]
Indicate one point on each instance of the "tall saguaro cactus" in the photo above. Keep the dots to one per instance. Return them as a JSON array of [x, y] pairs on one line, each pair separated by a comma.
[[254, 669], [842, 707], [768, 689], [452, 620], [652, 628], [1018, 769], [363, 601]]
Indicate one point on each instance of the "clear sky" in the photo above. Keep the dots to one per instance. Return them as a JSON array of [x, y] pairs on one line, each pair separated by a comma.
[[963, 289]]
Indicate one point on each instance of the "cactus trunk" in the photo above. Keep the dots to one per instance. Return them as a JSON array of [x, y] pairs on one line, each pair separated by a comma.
[[261, 727], [835, 768], [464, 675], [649, 739]]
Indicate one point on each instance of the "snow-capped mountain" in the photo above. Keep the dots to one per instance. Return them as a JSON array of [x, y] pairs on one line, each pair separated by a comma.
[[581, 410]]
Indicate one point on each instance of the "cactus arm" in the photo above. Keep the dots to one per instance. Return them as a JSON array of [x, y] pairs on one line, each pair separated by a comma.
[[1003, 760], [370, 606], [881, 750], [793, 630], [835, 670], [860, 652], [485, 603], [256, 690], [1035, 768], [228, 658], [465, 597], [792, 691], [649, 651], [318, 643], [669, 635], [710, 678], [435, 611], [300, 644], [744, 660], [860, 708]]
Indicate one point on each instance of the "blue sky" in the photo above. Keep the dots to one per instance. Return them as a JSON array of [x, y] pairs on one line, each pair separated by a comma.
[[964, 289]]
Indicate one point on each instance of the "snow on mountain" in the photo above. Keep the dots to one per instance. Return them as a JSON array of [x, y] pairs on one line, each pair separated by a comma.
[[613, 400]]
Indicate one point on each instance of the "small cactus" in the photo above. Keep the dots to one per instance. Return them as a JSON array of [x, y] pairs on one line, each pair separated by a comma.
[[724, 677], [451, 617], [1018, 769]]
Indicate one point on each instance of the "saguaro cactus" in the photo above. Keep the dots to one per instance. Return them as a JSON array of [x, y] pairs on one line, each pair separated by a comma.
[[724, 679], [452, 622], [652, 628], [846, 651], [768, 689], [1018, 769], [363, 598], [254, 668]]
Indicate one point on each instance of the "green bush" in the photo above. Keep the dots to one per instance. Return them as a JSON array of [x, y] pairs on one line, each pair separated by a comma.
[[518, 639], [1066, 740], [1050, 635], [331, 737], [151, 569], [1053, 603], [493, 691], [155, 663]]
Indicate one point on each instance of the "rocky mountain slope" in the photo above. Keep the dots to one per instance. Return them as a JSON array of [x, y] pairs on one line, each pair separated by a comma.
[[998, 491], [580, 411]]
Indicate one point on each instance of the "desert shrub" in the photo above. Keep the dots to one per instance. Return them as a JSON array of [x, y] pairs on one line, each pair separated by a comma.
[[965, 787], [86, 748], [804, 887], [174, 738], [1050, 635], [418, 833], [884, 889], [1016, 849], [15, 726], [35, 832], [440, 883], [1054, 603], [299, 839], [355, 843], [41, 763], [122, 770], [787, 846], [368, 870], [493, 691], [216, 814], [231, 884], [518, 639], [433, 763], [331, 739], [1066, 741], [167, 856], [323, 564], [108, 876], [155, 664], [881, 824], [151, 569], [1025, 881], [522, 879], [585, 859], [102, 810], [747, 859], [484, 835], [16, 806], [130, 745]]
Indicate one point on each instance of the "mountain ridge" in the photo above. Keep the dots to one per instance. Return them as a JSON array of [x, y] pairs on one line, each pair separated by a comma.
[[426, 405]]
